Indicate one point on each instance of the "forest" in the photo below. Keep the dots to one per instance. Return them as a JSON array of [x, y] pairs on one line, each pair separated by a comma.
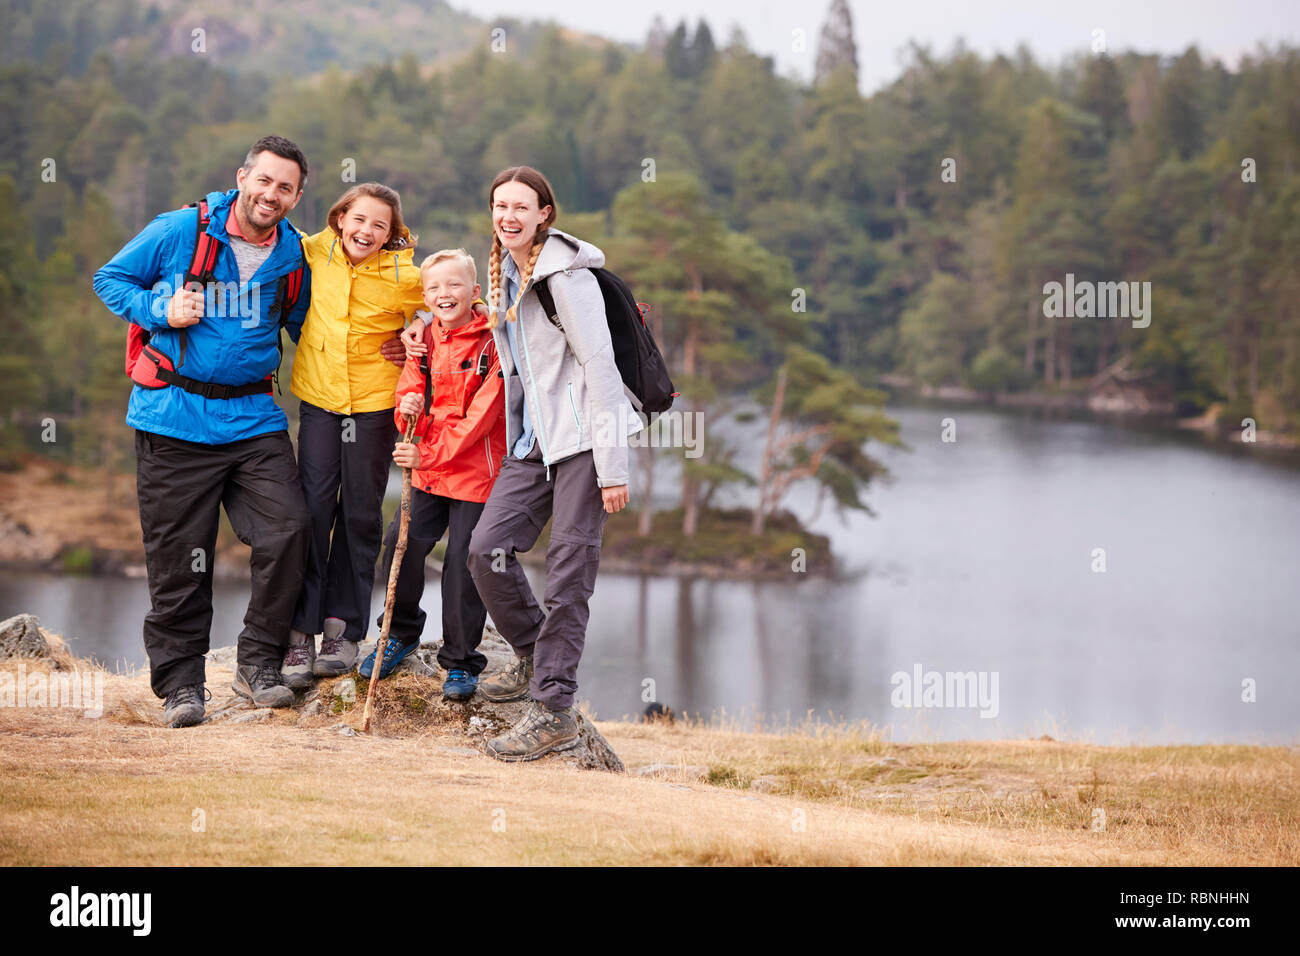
[[798, 239]]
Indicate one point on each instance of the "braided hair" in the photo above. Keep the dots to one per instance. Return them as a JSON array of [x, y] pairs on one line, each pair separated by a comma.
[[496, 287]]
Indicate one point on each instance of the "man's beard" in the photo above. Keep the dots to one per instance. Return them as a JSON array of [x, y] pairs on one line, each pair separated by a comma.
[[252, 212]]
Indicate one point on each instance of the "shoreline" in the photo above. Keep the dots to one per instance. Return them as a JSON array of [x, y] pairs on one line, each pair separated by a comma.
[[1115, 406], [56, 519]]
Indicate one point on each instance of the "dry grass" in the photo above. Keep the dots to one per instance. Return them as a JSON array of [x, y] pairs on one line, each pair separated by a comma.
[[122, 790]]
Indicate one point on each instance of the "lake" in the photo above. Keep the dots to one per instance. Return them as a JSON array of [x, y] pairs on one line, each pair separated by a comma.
[[982, 564]]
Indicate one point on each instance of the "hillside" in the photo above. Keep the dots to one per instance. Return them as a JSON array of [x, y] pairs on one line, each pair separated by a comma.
[[276, 37]]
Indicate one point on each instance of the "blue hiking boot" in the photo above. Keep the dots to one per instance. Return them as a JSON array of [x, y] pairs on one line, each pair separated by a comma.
[[394, 653], [459, 685]]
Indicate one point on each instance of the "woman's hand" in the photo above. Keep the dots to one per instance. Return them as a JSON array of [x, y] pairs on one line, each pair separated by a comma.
[[413, 337], [405, 455], [615, 498], [412, 404]]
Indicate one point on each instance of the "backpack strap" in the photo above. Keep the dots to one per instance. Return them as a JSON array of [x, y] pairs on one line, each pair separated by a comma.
[[287, 292], [202, 262], [548, 302], [428, 383]]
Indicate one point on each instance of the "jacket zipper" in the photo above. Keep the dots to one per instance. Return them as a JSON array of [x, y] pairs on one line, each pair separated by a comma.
[[574, 405], [537, 425], [487, 448]]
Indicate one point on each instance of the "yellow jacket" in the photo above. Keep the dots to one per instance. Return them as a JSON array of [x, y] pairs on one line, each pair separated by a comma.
[[354, 310]]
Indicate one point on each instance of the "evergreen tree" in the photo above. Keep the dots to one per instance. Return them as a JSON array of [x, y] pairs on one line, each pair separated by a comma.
[[836, 49]]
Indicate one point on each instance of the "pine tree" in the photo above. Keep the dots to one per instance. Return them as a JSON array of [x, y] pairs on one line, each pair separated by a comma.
[[836, 49]]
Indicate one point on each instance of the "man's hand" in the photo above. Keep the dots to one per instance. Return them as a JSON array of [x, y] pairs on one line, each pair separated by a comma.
[[185, 308], [413, 337], [615, 498], [405, 455], [412, 403], [394, 351]]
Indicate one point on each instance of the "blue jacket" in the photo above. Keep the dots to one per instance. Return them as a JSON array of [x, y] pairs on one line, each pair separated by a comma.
[[234, 348]]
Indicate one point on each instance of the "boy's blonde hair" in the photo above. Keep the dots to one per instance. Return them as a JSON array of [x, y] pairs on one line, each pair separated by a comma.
[[444, 255]]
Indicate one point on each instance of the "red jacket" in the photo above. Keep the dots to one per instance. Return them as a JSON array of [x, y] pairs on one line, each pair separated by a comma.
[[462, 443]]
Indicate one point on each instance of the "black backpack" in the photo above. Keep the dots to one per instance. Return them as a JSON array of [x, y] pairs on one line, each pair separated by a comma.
[[638, 358]]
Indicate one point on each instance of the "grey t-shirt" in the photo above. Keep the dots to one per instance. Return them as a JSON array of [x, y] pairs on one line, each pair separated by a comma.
[[249, 256]]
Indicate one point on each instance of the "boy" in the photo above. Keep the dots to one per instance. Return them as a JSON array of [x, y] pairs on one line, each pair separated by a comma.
[[456, 455]]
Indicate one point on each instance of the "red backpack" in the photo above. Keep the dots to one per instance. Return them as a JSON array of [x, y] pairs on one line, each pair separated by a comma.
[[149, 368]]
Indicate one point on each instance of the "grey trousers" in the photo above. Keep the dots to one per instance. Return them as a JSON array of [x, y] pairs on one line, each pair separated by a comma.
[[521, 501]]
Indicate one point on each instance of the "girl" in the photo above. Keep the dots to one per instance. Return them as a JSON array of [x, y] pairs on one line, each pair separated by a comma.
[[364, 288], [561, 384]]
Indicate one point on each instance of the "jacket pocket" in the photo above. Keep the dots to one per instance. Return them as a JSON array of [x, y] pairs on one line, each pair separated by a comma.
[[314, 337]]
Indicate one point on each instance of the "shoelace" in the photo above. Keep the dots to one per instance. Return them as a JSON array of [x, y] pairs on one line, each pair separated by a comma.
[[188, 694], [331, 645], [457, 675], [534, 720], [266, 675], [298, 654]]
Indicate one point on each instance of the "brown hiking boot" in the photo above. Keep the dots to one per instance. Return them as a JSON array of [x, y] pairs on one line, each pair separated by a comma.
[[511, 683], [540, 732]]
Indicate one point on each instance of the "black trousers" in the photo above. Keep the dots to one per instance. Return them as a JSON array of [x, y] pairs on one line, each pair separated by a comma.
[[343, 461], [463, 613], [182, 486]]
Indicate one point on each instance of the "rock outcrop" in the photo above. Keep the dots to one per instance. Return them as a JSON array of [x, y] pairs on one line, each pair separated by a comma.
[[409, 703]]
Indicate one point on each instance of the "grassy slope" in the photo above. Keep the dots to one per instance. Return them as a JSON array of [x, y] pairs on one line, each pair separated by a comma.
[[121, 790]]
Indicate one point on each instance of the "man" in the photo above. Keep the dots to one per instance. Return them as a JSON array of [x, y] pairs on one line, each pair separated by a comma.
[[210, 434]]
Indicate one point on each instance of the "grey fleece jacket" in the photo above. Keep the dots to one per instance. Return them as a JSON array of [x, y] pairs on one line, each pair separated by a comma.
[[576, 397]]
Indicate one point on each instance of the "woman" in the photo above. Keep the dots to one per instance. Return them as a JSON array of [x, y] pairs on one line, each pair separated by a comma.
[[559, 382]]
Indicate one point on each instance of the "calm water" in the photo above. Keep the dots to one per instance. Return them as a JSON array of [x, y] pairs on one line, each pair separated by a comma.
[[980, 560]]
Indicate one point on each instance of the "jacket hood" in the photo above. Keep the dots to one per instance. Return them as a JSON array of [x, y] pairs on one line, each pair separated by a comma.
[[562, 251], [329, 242]]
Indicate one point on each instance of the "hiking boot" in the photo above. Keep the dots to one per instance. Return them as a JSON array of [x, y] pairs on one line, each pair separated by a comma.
[[394, 653], [337, 653], [540, 732], [298, 660], [262, 684], [459, 685], [511, 683], [184, 705]]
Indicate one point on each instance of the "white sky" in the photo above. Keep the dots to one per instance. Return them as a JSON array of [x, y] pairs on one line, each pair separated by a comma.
[[1051, 28]]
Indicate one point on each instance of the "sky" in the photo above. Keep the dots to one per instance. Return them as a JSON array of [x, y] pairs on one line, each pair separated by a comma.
[[1050, 28]]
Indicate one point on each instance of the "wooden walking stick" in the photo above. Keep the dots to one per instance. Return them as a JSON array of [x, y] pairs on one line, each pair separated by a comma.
[[399, 551]]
